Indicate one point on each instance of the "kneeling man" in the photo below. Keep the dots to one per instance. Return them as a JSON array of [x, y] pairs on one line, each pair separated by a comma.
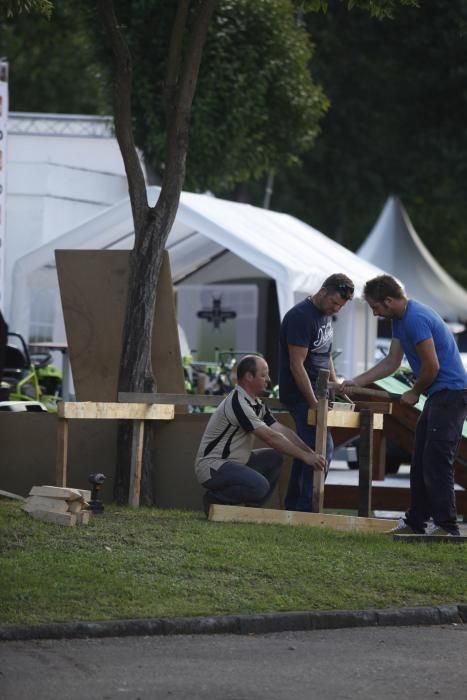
[[226, 465]]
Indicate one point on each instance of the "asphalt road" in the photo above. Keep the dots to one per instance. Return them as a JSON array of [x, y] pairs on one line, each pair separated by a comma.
[[395, 663]]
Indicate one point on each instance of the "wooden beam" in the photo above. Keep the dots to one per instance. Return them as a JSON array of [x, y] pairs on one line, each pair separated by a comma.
[[321, 438], [136, 463], [115, 411], [382, 498], [345, 419], [61, 459], [186, 399], [365, 466], [242, 514], [376, 406]]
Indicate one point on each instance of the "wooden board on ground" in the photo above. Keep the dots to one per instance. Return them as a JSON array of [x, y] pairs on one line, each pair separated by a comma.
[[242, 514], [424, 539]]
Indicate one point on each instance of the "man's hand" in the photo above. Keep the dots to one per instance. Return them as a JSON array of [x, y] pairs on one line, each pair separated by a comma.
[[346, 386], [410, 397], [316, 461]]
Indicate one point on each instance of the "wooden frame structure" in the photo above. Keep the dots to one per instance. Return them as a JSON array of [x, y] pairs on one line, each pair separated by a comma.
[[91, 410]]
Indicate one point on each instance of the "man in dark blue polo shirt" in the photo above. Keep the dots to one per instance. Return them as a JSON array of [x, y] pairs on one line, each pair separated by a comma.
[[305, 348]]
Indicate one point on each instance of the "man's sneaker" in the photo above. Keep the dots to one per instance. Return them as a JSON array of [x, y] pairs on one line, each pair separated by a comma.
[[402, 529], [438, 531]]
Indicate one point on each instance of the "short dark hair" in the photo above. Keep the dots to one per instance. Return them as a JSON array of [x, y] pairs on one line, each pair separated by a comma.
[[246, 364], [381, 287], [338, 282]]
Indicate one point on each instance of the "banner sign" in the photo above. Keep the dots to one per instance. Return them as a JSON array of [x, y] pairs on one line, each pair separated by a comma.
[[3, 140]]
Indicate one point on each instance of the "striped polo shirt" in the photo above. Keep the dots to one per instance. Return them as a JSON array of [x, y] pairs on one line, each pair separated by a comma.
[[229, 433]]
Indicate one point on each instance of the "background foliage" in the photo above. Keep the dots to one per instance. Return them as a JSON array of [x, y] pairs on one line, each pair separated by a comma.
[[396, 92]]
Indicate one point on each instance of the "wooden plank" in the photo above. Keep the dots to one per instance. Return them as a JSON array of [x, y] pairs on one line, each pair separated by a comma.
[[242, 514], [57, 505], [321, 438], [76, 506], [136, 463], [115, 411], [83, 517], [186, 399], [376, 406], [61, 464], [47, 516], [379, 455], [365, 465], [56, 492], [383, 498], [345, 419]]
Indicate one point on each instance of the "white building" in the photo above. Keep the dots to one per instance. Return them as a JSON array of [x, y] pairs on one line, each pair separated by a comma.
[[60, 171]]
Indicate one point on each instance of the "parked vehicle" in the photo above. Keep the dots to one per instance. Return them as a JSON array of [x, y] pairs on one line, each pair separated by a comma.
[[30, 377]]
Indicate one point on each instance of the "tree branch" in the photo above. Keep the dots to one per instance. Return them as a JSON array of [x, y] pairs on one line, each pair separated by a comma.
[[175, 56], [122, 69], [178, 125]]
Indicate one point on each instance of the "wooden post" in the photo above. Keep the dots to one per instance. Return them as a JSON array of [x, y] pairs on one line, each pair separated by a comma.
[[136, 462], [321, 435], [379, 455], [61, 463], [365, 463]]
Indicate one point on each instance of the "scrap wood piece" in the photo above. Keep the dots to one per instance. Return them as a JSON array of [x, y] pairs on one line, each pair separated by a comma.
[[344, 419], [430, 538], [48, 516], [57, 492], [55, 505], [243, 514], [8, 494], [113, 411]]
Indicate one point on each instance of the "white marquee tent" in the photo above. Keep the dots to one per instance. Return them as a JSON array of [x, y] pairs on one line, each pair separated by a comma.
[[236, 240], [394, 245]]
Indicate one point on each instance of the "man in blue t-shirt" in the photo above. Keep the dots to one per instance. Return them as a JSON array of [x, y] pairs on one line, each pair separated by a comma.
[[305, 348], [420, 334]]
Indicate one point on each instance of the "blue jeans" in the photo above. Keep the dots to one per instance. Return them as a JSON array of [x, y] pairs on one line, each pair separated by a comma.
[[437, 437], [300, 488], [252, 483]]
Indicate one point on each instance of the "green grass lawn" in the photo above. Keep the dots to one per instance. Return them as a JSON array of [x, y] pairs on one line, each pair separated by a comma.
[[136, 563]]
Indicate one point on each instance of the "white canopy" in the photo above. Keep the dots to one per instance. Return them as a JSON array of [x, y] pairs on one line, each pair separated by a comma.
[[394, 245], [275, 245]]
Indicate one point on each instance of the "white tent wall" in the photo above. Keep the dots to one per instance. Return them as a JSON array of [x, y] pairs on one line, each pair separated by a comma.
[[61, 171], [263, 244], [394, 245]]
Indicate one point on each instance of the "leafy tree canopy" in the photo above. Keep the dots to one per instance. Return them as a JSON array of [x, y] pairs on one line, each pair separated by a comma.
[[396, 125], [14, 7], [256, 105]]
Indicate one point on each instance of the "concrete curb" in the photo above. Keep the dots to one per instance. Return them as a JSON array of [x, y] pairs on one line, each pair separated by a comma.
[[241, 624]]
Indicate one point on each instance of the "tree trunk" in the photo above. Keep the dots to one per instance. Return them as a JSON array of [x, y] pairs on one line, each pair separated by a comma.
[[152, 225]]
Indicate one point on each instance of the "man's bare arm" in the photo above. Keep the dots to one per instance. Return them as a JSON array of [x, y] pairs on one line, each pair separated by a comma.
[[290, 435], [384, 368], [278, 441]]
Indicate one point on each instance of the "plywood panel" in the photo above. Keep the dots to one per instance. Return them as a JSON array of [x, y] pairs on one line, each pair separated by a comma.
[[93, 288]]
